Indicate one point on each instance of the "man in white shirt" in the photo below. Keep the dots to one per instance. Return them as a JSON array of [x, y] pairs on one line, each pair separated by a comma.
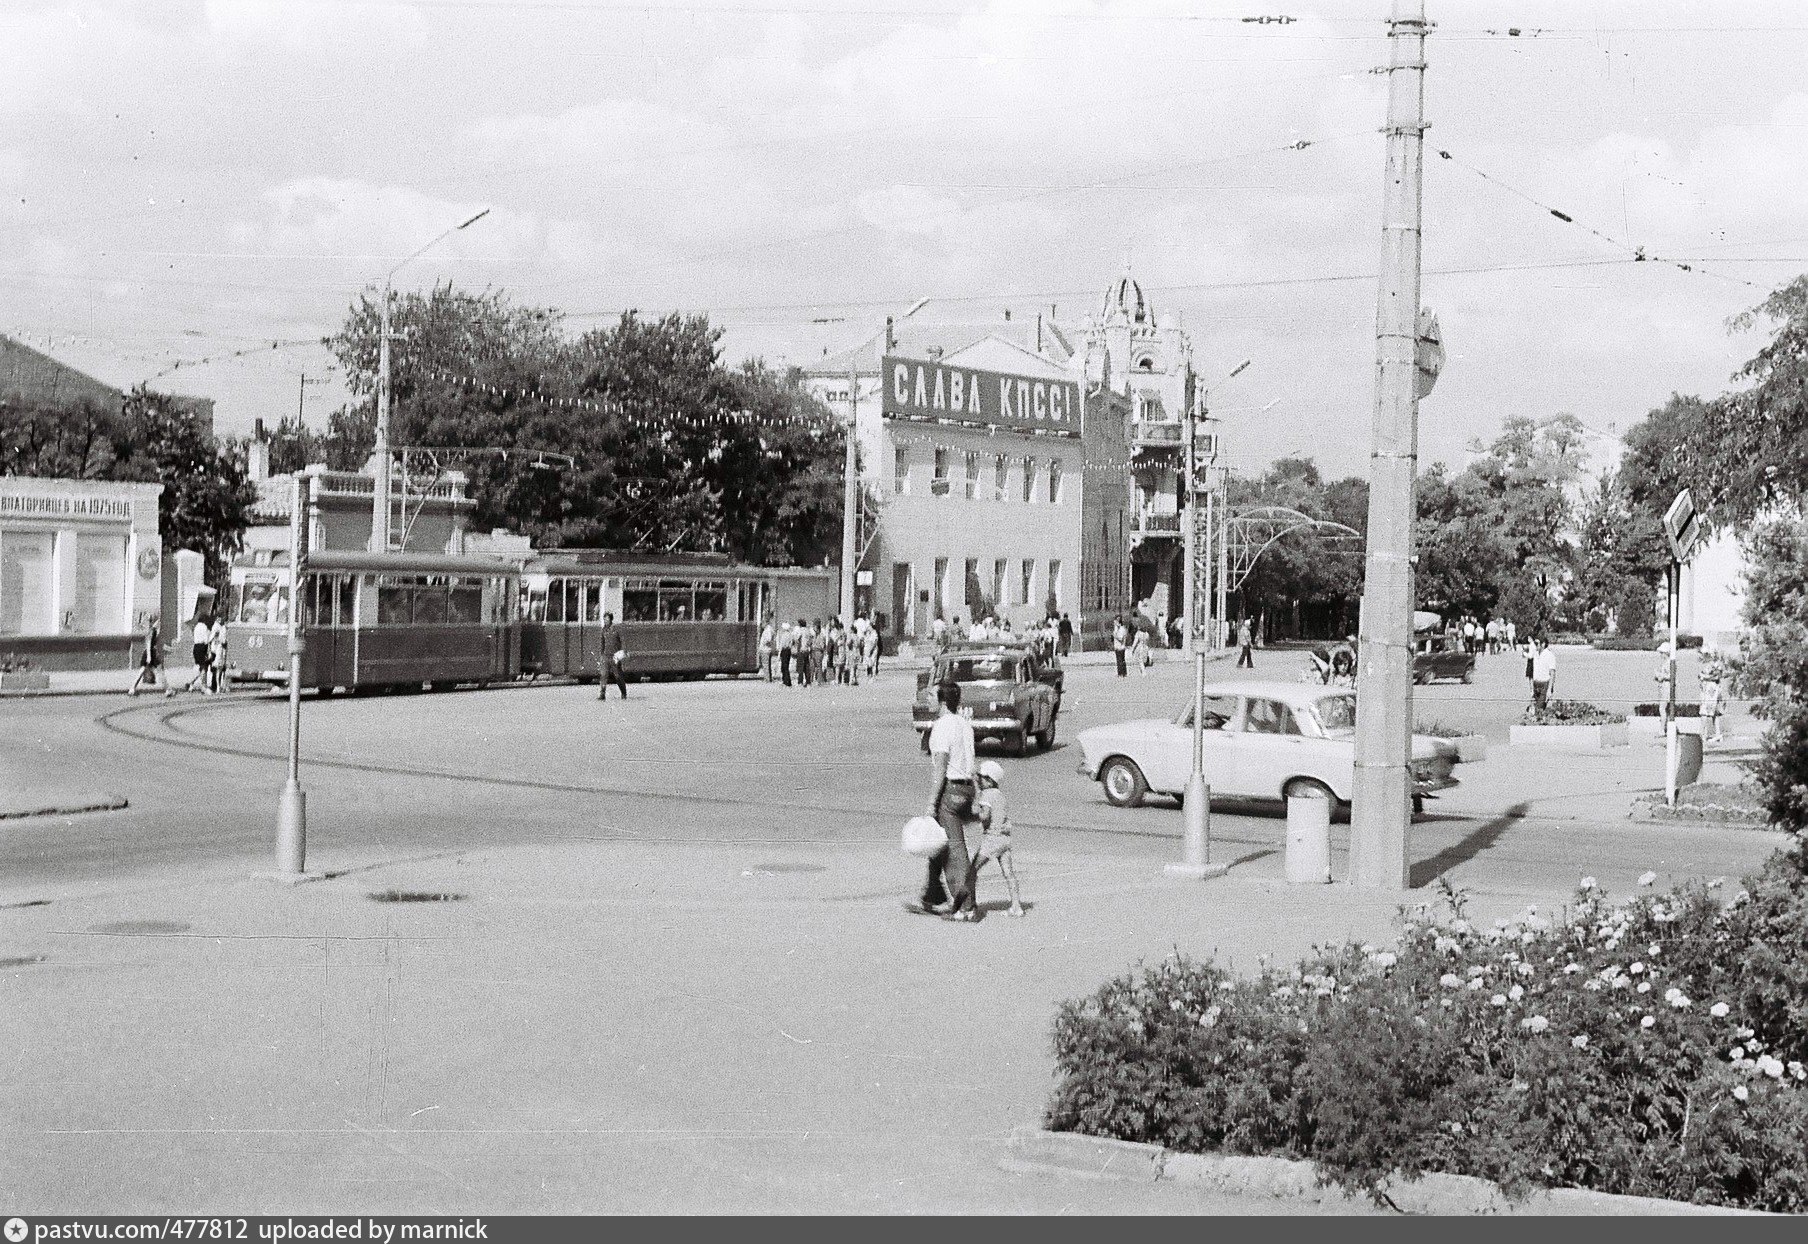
[[948, 889], [1544, 673]]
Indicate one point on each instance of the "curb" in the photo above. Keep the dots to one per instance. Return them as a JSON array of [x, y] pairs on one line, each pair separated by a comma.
[[64, 806], [1035, 1151]]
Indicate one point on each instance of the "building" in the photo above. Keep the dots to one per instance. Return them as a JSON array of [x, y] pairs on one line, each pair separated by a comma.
[[81, 571], [1147, 361], [995, 480], [30, 377]]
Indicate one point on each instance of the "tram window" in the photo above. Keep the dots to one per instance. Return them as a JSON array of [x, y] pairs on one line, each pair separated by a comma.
[[260, 603], [310, 587], [640, 602], [593, 602], [574, 601], [465, 606], [555, 601], [392, 603], [429, 604], [675, 603], [712, 602]]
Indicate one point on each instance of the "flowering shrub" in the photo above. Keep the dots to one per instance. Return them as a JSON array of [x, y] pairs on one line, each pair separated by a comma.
[[1573, 713], [1653, 1047]]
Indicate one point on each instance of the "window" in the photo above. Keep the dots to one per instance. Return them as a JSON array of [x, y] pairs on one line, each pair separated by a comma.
[[941, 587], [25, 583], [1001, 467], [1001, 583], [1029, 580], [1219, 709], [555, 601], [900, 470], [675, 603], [1029, 479], [640, 600], [1268, 717], [1055, 594], [712, 602], [574, 600], [464, 606], [939, 485], [347, 599], [429, 602], [973, 591], [1054, 481], [593, 601], [972, 475], [100, 585], [392, 601]]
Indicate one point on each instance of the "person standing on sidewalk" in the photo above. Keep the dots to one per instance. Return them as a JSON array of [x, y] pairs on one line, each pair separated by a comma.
[[613, 657], [948, 887], [1246, 645], [1712, 706], [202, 641], [216, 653], [1120, 641], [1064, 635], [768, 638], [1544, 674], [1139, 649]]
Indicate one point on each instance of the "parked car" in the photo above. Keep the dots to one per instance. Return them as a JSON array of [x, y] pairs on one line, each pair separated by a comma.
[[1442, 656], [1007, 691], [1263, 740]]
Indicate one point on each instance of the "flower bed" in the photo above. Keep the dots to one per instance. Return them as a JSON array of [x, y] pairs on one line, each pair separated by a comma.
[[1720, 803], [1654, 1047], [1469, 747]]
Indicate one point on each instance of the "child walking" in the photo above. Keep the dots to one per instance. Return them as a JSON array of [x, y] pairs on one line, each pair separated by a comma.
[[995, 831]]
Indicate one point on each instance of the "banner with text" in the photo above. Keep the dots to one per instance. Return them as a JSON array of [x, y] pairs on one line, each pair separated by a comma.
[[924, 390]]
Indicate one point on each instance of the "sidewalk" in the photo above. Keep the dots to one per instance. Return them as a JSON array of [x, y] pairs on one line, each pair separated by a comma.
[[100, 682]]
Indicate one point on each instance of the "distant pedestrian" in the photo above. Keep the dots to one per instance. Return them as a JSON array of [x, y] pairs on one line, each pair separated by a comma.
[[614, 657], [1712, 707], [938, 633], [768, 644], [1544, 674], [784, 653], [869, 650], [1246, 645], [948, 887], [1064, 631], [150, 663], [199, 649], [819, 654], [1511, 631], [1120, 641], [1139, 649], [995, 832], [801, 651], [216, 653]]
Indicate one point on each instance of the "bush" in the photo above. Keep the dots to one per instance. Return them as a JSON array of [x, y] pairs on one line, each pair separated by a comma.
[[1633, 608], [1625, 643], [1654, 1048], [1652, 709], [1573, 713], [1436, 729]]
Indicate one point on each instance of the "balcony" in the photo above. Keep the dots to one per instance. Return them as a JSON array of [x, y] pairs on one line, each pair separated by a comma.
[[1156, 433], [1148, 522]]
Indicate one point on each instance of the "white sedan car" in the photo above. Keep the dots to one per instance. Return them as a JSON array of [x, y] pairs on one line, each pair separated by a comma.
[[1263, 740]]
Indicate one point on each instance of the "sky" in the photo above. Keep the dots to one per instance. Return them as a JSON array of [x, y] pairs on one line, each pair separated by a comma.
[[196, 192]]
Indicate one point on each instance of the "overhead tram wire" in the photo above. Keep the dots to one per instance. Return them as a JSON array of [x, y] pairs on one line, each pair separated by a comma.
[[1639, 253]]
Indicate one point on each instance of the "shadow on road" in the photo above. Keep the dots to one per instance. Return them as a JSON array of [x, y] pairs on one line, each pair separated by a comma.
[[1479, 839]]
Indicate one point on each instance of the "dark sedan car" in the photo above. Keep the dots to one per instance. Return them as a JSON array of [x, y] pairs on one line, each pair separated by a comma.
[[1007, 691], [1442, 656]]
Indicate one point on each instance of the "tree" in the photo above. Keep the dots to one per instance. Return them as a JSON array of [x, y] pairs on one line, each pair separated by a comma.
[[207, 499], [1312, 583], [79, 441], [351, 433]]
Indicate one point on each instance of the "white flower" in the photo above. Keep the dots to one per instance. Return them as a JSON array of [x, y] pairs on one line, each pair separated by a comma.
[[1525, 969], [1648, 1021], [1716, 883], [1798, 1071], [1741, 1092], [1580, 1042], [1570, 969], [1591, 983], [1771, 1066], [1636, 967], [1456, 1129], [1647, 878], [1386, 959], [1654, 950], [1450, 980], [1736, 1053], [1681, 1002], [1516, 993], [1477, 970], [1644, 987], [1476, 983], [1499, 999], [1367, 949], [1536, 1023], [1588, 883], [1611, 943], [1445, 944], [1718, 1010]]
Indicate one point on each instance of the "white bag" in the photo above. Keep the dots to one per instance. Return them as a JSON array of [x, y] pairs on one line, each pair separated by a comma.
[[924, 836]]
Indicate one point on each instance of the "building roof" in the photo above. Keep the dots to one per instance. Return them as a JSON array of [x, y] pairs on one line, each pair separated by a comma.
[[27, 375], [918, 340]]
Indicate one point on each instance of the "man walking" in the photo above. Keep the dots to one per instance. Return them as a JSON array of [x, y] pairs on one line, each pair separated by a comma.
[[1064, 634], [612, 657], [1120, 642], [1246, 645], [1544, 673], [948, 887]]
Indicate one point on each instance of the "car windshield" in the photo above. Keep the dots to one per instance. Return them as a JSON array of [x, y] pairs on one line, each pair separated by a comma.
[[989, 668], [1337, 713]]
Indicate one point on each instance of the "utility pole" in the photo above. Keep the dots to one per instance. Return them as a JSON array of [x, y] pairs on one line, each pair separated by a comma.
[[1223, 492], [292, 806], [1196, 801], [301, 398], [1381, 813], [850, 494]]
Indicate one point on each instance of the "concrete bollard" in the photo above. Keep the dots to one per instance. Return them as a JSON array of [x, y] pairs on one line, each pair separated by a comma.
[[1308, 840]]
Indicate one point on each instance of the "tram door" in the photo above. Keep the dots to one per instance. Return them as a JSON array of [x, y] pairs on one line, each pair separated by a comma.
[[585, 605]]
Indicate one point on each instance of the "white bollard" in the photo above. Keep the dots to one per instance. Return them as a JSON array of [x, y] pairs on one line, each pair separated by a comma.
[[1308, 840]]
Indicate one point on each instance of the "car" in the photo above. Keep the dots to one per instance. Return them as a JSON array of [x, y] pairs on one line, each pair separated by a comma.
[[1008, 691], [1441, 656], [1262, 740]]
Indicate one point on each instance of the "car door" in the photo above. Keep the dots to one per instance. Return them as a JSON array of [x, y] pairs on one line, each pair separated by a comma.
[[1268, 749]]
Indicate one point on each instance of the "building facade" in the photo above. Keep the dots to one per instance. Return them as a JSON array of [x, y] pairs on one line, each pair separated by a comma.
[[81, 571], [995, 481]]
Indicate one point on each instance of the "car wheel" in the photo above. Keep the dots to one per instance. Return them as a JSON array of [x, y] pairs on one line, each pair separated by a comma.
[[1310, 788], [1123, 783], [1468, 676], [1018, 743]]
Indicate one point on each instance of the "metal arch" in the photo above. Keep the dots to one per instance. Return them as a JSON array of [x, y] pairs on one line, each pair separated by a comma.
[[1249, 533]]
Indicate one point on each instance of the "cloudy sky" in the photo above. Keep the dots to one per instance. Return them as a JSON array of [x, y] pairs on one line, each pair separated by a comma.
[[190, 181]]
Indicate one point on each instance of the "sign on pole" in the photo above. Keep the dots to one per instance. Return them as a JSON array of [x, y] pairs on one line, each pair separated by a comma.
[[1682, 526], [1428, 354]]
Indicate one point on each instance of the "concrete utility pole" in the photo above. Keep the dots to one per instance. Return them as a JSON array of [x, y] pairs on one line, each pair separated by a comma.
[[1381, 812], [850, 494], [292, 805], [379, 505]]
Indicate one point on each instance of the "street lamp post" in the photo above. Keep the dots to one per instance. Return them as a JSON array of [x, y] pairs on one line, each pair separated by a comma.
[[850, 473], [1196, 802], [292, 805], [379, 515]]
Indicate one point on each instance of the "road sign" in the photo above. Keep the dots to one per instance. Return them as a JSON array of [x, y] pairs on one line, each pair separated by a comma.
[[1682, 525], [1428, 353]]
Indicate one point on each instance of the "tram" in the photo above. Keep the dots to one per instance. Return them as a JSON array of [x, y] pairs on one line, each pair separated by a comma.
[[410, 620], [371, 621], [678, 616]]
